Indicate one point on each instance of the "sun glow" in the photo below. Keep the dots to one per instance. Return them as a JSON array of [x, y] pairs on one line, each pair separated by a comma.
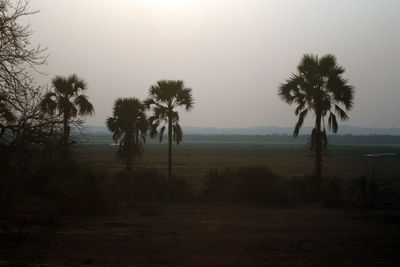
[[173, 4], [176, 19]]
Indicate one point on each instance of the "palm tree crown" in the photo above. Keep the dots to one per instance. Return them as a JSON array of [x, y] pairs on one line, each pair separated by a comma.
[[129, 126], [318, 87], [164, 97], [67, 100]]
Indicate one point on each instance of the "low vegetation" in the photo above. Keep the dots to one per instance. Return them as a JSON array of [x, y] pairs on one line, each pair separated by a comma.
[[249, 184], [257, 184]]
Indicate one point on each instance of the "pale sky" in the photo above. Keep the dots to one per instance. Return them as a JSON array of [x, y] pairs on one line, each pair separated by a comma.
[[232, 53]]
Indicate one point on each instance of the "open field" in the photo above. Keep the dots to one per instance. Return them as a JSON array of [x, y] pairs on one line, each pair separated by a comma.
[[205, 233], [192, 160], [201, 234]]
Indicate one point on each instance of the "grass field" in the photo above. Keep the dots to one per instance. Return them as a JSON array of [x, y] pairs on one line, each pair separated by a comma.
[[202, 232], [192, 160]]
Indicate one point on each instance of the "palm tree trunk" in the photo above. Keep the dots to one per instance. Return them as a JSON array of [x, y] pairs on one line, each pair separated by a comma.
[[129, 159], [65, 139], [66, 134], [318, 155], [128, 166], [169, 149]]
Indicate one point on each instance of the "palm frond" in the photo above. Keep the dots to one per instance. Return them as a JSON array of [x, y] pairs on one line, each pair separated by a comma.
[[347, 96], [299, 108], [184, 98], [300, 121], [327, 63], [84, 106], [161, 133], [288, 90], [148, 102], [48, 104], [76, 84], [342, 114], [332, 123], [309, 66], [60, 85], [178, 134]]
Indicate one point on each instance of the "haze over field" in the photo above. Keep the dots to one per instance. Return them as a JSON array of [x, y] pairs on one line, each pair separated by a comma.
[[264, 130], [96, 97], [233, 53]]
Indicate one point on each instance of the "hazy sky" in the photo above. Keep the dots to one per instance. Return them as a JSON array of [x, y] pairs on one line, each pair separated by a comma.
[[232, 53]]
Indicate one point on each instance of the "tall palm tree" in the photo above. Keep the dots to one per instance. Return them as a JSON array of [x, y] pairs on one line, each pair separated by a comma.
[[318, 87], [129, 126], [164, 97], [67, 100]]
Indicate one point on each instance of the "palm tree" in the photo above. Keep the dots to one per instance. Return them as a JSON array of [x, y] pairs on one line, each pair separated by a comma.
[[318, 87], [129, 126], [164, 97], [67, 100]]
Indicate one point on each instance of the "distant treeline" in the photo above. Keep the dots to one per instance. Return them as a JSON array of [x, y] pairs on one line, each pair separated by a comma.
[[278, 139]]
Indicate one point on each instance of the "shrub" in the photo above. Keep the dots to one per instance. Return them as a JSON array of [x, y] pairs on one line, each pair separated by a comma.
[[10, 189], [371, 191], [307, 189], [332, 192], [250, 184], [74, 188], [220, 184], [258, 184], [179, 190], [299, 188], [142, 184], [148, 185], [367, 191]]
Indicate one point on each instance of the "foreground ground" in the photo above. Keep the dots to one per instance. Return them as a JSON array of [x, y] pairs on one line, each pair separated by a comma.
[[206, 234]]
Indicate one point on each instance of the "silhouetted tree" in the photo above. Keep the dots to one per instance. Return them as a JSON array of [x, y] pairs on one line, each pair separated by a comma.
[[164, 97], [18, 58], [318, 87], [68, 101], [129, 126], [26, 134], [31, 137]]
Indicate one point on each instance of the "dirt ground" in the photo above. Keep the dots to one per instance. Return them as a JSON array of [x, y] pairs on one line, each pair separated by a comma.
[[205, 234]]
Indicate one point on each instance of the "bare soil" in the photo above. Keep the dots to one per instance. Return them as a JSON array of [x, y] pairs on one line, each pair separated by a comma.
[[205, 234]]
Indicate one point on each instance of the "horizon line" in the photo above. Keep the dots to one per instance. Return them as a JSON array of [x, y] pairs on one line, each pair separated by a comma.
[[262, 126]]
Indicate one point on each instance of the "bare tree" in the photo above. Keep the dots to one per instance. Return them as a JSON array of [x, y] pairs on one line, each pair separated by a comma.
[[18, 57], [17, 54], [24, 130]]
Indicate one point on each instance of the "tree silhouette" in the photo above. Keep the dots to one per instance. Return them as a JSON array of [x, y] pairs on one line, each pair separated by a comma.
[[129, 126], [19, 57], [164, 97], [27, 135], [68, 101], [318, 87]]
